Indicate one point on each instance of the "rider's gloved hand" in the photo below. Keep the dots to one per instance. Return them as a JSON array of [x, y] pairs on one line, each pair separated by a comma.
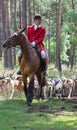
[[33, 44]]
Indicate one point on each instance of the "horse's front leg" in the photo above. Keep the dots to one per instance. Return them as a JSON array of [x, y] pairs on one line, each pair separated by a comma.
[[30, 87], [25, 86]]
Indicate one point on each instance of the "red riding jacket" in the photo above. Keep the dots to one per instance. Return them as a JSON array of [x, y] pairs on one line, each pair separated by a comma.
[[37, 35]]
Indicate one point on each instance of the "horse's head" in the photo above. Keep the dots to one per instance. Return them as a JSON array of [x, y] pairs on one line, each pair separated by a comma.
[[14, 39]]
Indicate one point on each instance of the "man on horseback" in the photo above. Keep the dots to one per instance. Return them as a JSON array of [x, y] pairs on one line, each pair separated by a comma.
[[36, 34]]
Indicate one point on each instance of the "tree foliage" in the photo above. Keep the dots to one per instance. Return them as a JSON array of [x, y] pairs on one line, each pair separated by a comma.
[[22, 15]]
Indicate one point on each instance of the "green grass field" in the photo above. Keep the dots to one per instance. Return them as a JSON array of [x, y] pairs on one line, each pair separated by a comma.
[[46, 115], [53, 114]]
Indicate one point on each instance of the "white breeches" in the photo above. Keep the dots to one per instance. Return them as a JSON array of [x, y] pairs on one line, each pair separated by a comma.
[[43, 54]]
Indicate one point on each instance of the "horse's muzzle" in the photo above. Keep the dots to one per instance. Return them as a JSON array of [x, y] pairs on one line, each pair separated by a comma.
[[5, 45]]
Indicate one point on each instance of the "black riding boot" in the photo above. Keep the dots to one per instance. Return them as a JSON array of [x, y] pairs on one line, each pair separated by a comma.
[[19, 72], [44, 67]]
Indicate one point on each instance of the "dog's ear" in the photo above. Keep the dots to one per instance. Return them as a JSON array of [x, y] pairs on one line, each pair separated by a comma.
[[67, 80], [63, 80]]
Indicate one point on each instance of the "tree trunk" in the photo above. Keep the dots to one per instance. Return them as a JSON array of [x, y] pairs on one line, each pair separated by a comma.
[[38, 7], [9, 53], [19, 15], [4, 32], [0, 43], [58, 43], [24, 13], [49, 40], [73, 6], [74, 46], [0, 29], [14, 50], [73, 57], [33, 8], [29, 13]]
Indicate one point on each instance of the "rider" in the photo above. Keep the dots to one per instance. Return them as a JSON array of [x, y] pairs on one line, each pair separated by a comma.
[[36, 34]]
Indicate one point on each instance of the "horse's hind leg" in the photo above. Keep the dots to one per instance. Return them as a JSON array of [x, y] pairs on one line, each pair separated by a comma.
[[42, 83]]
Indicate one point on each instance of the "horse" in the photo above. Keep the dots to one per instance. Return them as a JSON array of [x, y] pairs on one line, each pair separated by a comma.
[[30, 63]]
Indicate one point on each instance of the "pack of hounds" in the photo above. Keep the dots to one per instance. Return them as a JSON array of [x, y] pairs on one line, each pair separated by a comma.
[[54, 87]]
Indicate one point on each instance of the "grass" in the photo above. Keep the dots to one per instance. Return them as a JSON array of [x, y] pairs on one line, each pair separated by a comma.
[[46, 115]]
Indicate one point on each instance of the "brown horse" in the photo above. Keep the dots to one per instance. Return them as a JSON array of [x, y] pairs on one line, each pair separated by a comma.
[[30, 63]]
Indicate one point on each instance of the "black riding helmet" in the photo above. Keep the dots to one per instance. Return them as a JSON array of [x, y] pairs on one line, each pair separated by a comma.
[[37, 17]]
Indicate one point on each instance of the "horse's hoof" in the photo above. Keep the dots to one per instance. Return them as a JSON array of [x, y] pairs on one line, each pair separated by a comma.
[[28, 103]]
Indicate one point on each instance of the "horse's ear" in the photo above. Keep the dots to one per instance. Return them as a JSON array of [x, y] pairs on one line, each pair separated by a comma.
[[22, 30], [17, 28]]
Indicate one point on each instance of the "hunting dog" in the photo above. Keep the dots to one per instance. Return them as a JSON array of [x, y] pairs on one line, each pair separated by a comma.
[[68, 87], [15, 85]]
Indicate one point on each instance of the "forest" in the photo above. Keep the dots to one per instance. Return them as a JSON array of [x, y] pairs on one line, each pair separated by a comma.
[[60, 20], [33, 101]]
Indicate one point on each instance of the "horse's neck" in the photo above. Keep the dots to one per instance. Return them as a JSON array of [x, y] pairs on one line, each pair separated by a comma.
[[26, 50]]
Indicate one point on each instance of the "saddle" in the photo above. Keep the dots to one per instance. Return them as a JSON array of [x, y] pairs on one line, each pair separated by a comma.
[[37, 51]]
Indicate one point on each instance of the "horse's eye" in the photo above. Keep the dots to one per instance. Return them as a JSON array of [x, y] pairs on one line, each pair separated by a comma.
[[15, 34]]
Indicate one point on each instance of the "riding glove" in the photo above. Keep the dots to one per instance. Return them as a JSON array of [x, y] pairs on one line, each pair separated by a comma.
[[33, 44]]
